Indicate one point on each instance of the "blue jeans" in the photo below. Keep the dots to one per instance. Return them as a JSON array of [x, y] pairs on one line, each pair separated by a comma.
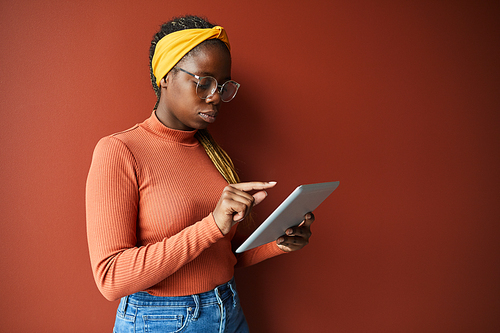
[[217, 310]]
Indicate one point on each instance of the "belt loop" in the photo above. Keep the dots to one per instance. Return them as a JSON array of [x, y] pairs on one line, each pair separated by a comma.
[[196, 313], [233, 290], [123, 305]]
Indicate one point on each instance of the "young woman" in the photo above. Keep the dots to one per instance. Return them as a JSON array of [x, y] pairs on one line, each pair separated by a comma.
[[163, 199]]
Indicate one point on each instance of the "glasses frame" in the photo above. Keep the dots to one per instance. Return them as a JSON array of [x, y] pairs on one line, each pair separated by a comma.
[[218, 87]]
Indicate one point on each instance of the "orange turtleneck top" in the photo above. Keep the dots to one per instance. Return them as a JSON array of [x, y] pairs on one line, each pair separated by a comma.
[[149, 197]]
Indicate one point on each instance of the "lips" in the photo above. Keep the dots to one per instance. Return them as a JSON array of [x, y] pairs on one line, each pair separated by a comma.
[[208, 116]]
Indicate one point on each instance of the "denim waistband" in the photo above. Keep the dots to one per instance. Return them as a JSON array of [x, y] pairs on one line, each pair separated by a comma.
[[218, 307], [221, 292]]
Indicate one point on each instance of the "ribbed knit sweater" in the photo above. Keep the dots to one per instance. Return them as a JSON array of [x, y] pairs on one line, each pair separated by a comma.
[[149, 197]]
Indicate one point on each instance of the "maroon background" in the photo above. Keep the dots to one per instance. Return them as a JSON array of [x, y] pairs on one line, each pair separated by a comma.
[[399, 100]]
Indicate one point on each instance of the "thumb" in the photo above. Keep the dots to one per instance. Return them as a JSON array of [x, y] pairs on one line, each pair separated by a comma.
[[259, 197]]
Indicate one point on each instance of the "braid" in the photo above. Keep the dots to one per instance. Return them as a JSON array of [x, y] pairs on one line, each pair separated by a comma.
[[224, 164], [219, 157]]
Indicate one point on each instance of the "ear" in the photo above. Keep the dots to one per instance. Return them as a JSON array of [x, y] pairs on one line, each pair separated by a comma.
[[165, 81]]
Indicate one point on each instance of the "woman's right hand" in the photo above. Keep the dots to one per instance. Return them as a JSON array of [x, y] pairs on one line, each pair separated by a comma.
[[235, 203]]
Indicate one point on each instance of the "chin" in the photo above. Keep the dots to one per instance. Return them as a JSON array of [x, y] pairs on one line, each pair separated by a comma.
[[201, 126]]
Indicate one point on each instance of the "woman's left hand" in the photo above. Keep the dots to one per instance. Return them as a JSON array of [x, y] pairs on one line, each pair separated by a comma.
[[297, 237]]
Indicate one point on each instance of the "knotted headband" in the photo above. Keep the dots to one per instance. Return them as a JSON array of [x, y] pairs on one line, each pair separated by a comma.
[[171, 48]]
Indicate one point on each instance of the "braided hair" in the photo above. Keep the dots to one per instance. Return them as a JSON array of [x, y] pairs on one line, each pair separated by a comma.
[[219, 157]]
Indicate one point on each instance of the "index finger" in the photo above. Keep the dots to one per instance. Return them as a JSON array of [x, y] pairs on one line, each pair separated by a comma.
[[249, 186]]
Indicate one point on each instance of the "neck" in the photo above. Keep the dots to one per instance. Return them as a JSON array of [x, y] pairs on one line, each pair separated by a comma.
[[161, 112]]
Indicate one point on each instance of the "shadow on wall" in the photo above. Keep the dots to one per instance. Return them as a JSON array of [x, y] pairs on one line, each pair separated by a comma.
[[246, 130]]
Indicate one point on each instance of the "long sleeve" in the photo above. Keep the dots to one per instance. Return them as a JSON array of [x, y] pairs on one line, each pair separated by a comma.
[[258, 254], [255, 255], [120, 267]]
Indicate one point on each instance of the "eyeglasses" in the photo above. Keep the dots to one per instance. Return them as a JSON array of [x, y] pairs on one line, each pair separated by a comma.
[[207, 85]]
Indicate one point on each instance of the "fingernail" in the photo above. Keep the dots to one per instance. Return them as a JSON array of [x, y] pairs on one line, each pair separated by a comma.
[[281, 240], [289, 231], [272, 183]]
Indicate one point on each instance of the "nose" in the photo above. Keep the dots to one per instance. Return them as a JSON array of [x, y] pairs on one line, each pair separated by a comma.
[[214, 98]]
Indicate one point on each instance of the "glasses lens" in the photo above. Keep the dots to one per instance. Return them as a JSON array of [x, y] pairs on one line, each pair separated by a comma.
[[229, 90], [206, 87]]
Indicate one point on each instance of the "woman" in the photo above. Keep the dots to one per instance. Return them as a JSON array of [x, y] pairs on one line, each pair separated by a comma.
[[160, 214]]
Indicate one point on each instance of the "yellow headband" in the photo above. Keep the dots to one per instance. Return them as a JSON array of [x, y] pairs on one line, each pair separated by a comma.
[[171, 48]]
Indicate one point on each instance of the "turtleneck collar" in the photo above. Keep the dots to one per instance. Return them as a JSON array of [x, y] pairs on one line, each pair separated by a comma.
[[154, 125]]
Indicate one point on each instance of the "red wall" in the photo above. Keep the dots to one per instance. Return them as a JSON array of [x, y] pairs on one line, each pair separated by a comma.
[[399, 100]]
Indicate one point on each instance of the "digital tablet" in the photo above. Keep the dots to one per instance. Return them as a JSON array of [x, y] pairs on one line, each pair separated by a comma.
[[304, 199]]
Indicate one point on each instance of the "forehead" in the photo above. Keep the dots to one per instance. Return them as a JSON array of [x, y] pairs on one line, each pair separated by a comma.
[[209, 59]]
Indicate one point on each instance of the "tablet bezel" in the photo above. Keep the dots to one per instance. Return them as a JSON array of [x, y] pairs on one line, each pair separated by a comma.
[[304, 199]]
